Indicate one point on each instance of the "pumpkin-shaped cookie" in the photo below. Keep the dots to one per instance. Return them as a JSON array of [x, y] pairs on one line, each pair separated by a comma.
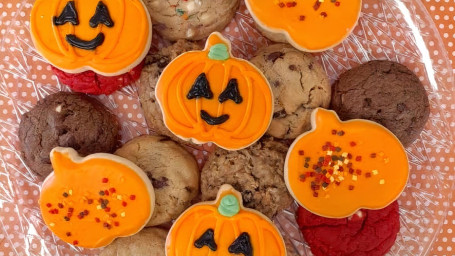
[[310, 25], [109, 37], [340, 167], [90, 201], [210, 96], [224, 227]]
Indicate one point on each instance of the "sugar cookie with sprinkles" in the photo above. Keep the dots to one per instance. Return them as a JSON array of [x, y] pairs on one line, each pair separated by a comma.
[[94, 47], [340, 167], [90, 201], [311, 26]]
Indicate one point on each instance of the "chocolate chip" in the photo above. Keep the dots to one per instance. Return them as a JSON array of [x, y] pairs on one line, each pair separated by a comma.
[[292, 67], [276, 83], [366, 102], [274, 56], [247, 196], [162, 62], [310, 66], [401, 107], [279, 114], [165, 139], [160, 183]]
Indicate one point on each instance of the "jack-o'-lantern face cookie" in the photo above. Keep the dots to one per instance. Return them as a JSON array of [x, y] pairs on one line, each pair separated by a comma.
[[109, 37], [309, 25], [210, 96], [90, 201], [224, 227], [340, 167]]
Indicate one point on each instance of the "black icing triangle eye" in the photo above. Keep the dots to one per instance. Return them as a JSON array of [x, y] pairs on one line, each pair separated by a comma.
[[200, 88], [206, 239], [231, 92], [242, 245], [69, 14], [101, 16]]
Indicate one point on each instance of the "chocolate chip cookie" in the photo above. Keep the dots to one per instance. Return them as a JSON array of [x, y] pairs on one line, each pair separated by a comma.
[[154, 66], [66, 120], [191, 19], [385, 92], [149, 241], [256, 172], [173, 171], [299, 85]]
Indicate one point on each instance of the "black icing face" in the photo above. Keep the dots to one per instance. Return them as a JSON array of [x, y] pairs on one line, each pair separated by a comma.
[[201, 89], [241, 245], [69, 15]]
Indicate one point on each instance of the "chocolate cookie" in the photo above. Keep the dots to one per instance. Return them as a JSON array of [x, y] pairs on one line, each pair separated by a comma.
[[385, 92], [173, 171], [366, 233], [256, 172], [66, 120], [154, 65], [150, 241], [299, 85], [193, 20]]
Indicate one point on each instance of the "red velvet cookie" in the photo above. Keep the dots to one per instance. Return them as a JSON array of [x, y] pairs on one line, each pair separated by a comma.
[[368, 232], [93, 83]]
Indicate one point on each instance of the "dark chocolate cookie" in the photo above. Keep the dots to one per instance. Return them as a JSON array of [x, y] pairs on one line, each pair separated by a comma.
[[385, 92], [66, 120], [256, 172], [366, 233]]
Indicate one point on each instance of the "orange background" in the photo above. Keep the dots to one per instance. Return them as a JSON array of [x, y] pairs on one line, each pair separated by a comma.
[[443, 14]]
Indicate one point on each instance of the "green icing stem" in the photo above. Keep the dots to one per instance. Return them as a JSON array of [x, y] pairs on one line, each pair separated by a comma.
[[229, 206], [219, 52]]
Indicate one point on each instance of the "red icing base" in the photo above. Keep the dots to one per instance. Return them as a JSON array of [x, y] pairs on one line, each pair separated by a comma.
[[372, 234], [92, 83]]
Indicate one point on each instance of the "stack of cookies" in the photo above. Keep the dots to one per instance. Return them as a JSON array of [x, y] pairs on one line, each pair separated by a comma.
[[276, 140]]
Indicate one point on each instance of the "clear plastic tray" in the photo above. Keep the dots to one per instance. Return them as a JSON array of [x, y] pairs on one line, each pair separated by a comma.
[[398, 30]]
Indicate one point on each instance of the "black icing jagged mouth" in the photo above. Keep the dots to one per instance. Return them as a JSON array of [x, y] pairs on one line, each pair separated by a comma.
[[213, 120], [75, 41]]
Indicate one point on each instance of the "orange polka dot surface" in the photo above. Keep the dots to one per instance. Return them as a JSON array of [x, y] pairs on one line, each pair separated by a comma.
[[414, 33]]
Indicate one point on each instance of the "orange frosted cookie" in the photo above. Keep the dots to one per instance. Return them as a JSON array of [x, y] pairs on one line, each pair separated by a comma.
[[309, 25], [108, 37], [340, 167], [210, 96], [90, 201], [224, 227]]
